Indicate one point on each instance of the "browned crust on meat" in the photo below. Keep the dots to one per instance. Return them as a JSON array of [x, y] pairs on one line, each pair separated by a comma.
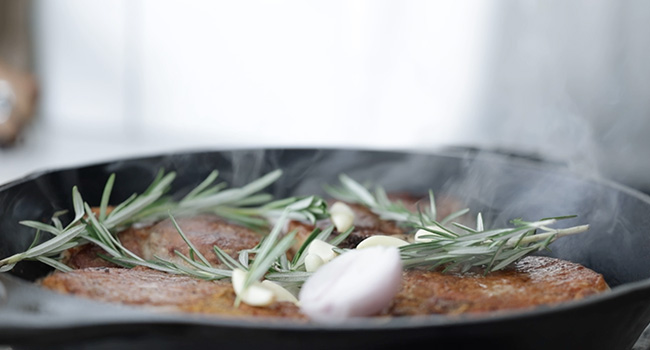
[[530, 282], [88, 255], [533, 281], [204, 231], [163, 291]]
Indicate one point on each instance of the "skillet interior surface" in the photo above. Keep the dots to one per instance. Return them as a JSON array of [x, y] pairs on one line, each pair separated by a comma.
[[501, 187]]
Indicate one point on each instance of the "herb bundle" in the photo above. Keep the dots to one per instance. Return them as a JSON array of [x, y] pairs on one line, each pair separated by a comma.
[[436, 244], [245, 205]]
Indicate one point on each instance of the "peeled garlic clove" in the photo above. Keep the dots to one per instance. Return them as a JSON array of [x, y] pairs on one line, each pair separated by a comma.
[[342, 216], [281, 294], [356, 284], [255, 294], [381, 240], [237, 278], [323, 249], [313, 262]]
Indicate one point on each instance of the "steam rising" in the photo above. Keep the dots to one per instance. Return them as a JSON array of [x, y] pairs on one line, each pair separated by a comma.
[[501, 187], [563, 81]]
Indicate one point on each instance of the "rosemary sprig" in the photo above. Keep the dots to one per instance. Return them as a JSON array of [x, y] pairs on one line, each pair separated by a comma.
[[439, 245], [197, 266], [492, 249], [270, 259], [153, 205], [268, 253], [307, 209], [353, 192], [464, 247]]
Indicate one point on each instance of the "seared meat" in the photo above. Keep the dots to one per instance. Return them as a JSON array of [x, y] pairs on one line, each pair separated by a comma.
[[162, 291], [89, 255], [162, 239], [531, 281], [204, 232]]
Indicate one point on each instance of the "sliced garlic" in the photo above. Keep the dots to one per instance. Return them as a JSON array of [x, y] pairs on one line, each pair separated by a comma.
[[313, 262], [342, 216], [281, 294], [356, 284], [323, 249], [255, 295], [381, 240]]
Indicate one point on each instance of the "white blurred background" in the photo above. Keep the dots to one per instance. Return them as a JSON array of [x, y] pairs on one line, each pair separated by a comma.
[[565, 80]]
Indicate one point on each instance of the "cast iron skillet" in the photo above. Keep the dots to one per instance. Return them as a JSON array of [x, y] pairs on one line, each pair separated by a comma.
[[501, 187]]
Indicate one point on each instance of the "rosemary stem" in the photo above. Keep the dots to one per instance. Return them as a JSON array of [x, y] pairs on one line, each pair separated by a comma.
[[550, 232], [12, 259]]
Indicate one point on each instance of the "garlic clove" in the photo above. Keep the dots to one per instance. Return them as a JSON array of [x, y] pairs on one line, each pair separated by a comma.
[[237, 278], [313, 262], [342, 216], [255, 295], [356, 284], [281, 294], [323, 249], [381, 240]]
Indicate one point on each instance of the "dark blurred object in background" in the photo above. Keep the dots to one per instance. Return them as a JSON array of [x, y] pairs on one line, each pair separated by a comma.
[[18, 88]]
